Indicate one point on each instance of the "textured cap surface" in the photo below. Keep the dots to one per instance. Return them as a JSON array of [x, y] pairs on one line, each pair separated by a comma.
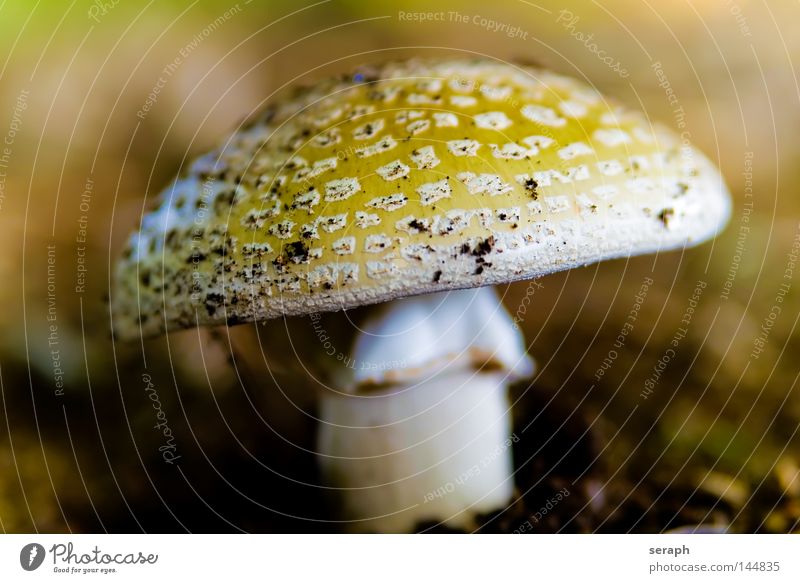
[[415, 177]]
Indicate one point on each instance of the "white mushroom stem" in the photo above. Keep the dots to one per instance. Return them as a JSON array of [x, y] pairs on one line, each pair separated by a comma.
[[421, 429]]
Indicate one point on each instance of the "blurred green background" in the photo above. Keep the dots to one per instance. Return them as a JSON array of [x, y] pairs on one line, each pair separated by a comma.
[[715, 443]]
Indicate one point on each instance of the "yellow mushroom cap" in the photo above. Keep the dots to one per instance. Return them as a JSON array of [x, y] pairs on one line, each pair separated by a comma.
[[415, 177]]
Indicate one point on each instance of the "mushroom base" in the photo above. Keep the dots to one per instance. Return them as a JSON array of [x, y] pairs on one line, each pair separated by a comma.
[[435, 451]]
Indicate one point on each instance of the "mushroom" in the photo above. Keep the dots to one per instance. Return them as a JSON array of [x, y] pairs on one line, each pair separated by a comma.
[[418, 185]]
